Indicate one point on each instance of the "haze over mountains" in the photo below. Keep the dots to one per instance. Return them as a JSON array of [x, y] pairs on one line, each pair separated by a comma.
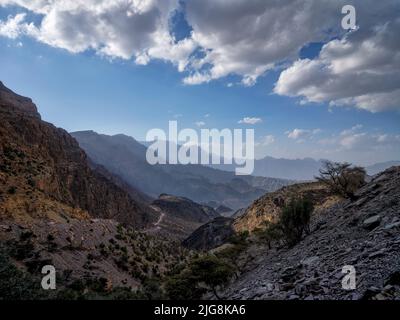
[[300, 169], [124, 156]]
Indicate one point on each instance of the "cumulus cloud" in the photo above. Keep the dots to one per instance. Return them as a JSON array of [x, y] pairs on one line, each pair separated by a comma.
[[118, 29], [361, 69], [14, 26], [250, 120], [246, 38]]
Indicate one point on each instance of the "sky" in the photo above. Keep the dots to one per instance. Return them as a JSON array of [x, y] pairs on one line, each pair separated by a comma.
[[285, 68]]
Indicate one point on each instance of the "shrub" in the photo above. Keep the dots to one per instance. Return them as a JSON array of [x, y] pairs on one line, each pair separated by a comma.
[[295, 219], [205, 272], [271, 233], [342, 178]]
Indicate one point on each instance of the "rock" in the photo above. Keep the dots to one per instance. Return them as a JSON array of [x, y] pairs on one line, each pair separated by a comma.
[[392, 225], [378, 253], [372, 222], [380, 296], [310, 261]]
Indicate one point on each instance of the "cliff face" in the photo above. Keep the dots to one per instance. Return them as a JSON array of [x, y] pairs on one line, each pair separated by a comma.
[[269, 206], [44, 173]]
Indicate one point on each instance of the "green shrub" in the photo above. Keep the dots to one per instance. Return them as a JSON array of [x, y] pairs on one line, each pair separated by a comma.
[[295, 219]]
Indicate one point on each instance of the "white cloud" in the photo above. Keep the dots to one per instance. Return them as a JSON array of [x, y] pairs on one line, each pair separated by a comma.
[[241, 37], [248, 38], [13, 27], [118, 29], [200, 124], [266, 141], [361, 69], [357, 139], [296, 134], [250, 120]]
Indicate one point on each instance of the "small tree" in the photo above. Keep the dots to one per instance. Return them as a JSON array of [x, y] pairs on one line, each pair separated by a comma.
[[211, 271], [295, 219], [272, 232], [342, 178], [202, 273]]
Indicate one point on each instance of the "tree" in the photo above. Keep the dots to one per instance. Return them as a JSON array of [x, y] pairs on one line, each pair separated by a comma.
[[271, 233], [204, 272], [211, 271], [342, 178], [295, 219]]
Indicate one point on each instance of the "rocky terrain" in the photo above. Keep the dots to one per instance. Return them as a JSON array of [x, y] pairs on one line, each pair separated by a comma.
[[363, 233], [43, 170], [210, 235], [180, 216], [58, 208], [269, 206]]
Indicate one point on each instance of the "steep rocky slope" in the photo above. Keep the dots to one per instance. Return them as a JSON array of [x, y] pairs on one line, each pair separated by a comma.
[[269, 206], [363, 233], [42, 168], [58, 208], [210, 235]]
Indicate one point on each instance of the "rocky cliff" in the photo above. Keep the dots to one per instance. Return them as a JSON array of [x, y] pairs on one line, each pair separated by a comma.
[[43, 170], [58, 208]]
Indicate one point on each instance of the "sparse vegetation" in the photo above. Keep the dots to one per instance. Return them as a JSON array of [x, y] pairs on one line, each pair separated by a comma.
[[294, 220], [342, 178]]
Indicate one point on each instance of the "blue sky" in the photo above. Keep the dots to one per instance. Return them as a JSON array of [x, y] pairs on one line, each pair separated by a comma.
[[109, 94]]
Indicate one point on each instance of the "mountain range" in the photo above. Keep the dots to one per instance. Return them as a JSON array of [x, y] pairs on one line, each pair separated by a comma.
[[125, 157], [300, 169]]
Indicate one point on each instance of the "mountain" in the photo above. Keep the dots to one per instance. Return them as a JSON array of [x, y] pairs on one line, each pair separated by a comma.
[[180, 216], [59, 208], [210, 235], [303, 169], [295, 169], [126, 158], [381, 166]]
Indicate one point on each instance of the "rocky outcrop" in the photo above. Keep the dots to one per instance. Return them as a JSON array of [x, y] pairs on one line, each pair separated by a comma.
[[268, 207], [19, 104], [180, 216], [363, 234], [210, 235], [44, 173]]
